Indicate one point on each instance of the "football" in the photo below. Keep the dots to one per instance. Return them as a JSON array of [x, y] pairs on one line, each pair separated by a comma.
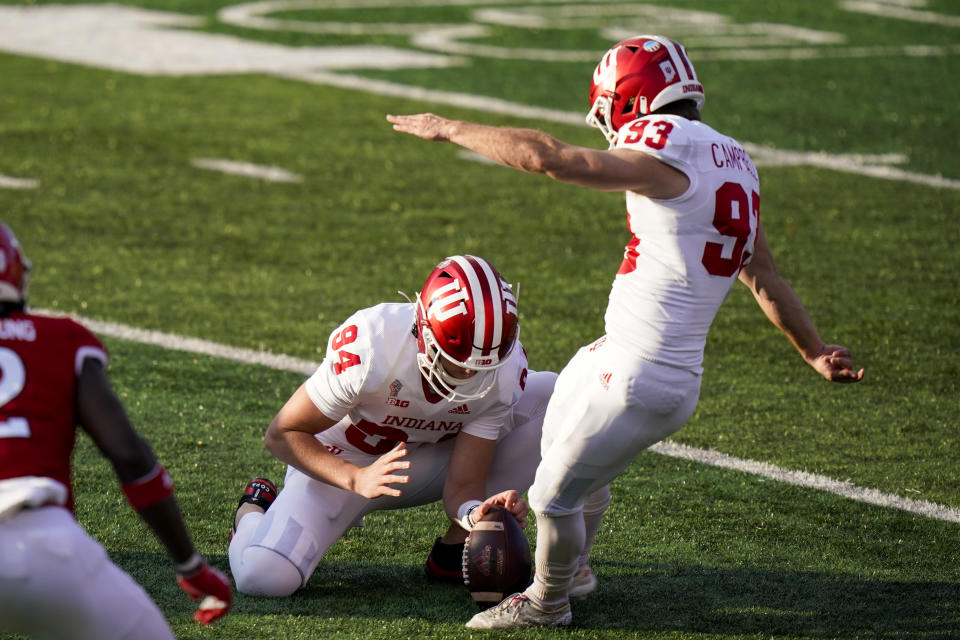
[[496, 558]]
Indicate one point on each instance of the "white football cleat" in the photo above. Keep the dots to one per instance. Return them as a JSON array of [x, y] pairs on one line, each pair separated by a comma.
[[518, 611], [584, 583]]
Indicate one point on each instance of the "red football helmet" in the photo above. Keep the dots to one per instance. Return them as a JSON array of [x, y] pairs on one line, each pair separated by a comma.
[[466, 317], [14, 268], [636, 77]]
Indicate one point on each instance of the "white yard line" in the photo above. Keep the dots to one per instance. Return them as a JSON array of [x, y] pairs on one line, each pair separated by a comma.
[[147, 42], [246, 169], [809, 480], [874, 166], [9, 182], [704, 456], [715, 35], [192, 345], [899, 11]]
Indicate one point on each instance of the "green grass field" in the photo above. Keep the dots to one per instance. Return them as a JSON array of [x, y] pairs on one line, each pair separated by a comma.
[[854, 120]]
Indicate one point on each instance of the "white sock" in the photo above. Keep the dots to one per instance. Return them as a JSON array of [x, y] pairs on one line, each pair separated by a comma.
[[593, 511], [559, 543]]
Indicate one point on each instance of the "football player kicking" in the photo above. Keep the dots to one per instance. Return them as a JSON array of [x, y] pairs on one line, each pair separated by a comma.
[[414, 402], [55, 580], [693, 204]]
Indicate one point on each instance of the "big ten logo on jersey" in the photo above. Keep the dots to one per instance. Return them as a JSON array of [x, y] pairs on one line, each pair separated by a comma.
[[392, 399], [339, 340]]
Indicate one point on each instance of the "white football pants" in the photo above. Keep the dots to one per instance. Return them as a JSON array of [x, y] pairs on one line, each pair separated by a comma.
[[607, 407], [275, 553], [56, 582]]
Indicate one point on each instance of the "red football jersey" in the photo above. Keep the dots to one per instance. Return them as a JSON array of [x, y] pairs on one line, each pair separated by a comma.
[[40, 359]]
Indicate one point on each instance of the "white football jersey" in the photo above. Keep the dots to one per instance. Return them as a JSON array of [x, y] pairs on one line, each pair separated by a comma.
[[686, 252], [370, 382]]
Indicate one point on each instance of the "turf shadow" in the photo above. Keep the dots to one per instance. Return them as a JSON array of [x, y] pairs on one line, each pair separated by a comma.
[[631, 597], [748, 601]]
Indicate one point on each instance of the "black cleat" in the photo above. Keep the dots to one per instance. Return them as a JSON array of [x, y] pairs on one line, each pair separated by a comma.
[[445, 562]]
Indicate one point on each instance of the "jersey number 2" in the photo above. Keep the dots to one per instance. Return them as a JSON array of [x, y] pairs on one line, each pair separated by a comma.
[[13, 376]]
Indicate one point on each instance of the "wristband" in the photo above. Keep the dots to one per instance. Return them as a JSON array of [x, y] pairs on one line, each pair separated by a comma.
[[150, 489], [189, 565], [465, 512]]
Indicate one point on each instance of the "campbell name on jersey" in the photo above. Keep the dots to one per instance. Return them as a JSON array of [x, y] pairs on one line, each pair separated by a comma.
[[685, 253], [370, 382]]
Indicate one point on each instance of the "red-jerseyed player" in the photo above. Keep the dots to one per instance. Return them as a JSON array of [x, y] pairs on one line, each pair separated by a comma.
[[55, 580]]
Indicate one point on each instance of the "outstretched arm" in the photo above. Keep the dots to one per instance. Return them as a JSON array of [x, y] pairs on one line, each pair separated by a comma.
[[784, 309], [538, 152]]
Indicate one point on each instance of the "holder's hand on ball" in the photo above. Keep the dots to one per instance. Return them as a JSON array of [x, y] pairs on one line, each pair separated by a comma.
[[509, 500]]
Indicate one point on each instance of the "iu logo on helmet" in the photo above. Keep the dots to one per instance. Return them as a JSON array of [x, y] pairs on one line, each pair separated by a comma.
[[605, 74], [448, 301], [509, 300]]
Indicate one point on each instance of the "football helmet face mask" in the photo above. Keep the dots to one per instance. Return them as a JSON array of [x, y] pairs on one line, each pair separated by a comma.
[[636, 77], [466, 320], [14, 268]]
